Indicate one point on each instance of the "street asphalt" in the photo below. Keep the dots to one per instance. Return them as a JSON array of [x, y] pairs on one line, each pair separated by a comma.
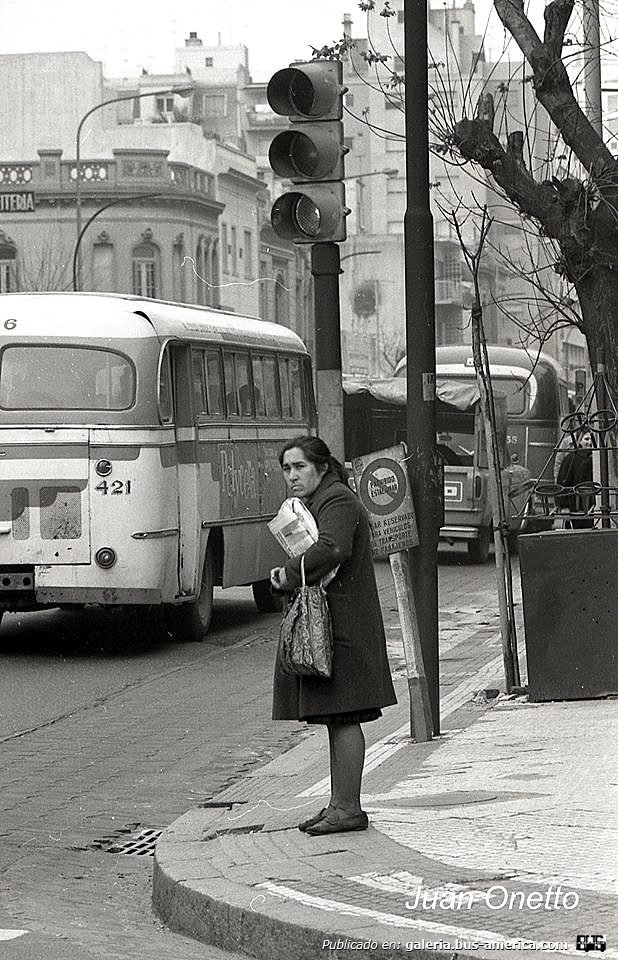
[[499, 835]]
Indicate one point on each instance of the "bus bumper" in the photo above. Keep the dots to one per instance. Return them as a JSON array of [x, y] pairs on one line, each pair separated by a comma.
[[452, 534], [99, 596]]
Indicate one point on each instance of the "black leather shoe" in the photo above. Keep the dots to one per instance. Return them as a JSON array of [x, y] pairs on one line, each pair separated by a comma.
[[359, 821], [304, 826]]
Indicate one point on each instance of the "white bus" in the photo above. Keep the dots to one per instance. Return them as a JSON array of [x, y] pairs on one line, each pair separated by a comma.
[[138, 452]]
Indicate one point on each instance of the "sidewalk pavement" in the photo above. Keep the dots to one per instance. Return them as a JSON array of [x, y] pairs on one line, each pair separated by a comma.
[[499, 835]]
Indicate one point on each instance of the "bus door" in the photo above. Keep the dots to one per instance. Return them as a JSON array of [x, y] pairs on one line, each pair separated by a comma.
[[240, 470], [44, 516], [179, 359]]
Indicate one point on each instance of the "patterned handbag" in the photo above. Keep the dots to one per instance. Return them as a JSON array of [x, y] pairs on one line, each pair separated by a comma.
[[306, 635]]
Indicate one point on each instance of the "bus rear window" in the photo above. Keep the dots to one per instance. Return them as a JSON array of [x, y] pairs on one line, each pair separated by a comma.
[[65, 378]]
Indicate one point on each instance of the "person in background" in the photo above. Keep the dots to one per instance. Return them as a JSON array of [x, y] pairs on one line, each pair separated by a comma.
[[576, 467], [361, 683]]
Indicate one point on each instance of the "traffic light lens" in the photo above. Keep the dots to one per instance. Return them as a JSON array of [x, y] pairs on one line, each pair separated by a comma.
[[307, 216], [304, 155], [301, 93]]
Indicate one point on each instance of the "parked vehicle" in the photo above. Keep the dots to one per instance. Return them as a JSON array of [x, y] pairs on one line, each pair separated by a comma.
[[138, 451]]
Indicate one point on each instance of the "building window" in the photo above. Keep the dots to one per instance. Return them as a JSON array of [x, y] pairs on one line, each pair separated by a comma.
[[281, 299], [224, 249], [234, 245], [208, 62], [247, 255], [145, 270], [8, 273], [165, 104], [264, 313]]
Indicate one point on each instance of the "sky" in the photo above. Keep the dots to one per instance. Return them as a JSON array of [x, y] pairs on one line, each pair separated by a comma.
[[128, 35]]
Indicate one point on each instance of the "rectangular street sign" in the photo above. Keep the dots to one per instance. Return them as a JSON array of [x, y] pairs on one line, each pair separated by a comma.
[[19, 201], [382, 484]]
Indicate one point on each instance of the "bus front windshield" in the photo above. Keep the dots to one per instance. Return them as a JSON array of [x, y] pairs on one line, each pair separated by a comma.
[[65, 378]]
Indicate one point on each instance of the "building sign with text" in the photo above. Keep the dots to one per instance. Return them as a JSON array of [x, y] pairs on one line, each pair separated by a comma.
[[382, 484], [20, 201]]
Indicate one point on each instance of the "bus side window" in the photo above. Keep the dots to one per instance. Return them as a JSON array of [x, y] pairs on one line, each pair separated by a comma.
[[296, 392], [214, 383], [231, 396], [164, 396], [271, 395], [258, 385], [200, 406], [243, 384], [286, 406]]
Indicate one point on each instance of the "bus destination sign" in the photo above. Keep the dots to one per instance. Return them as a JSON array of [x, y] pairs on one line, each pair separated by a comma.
[[382, 484], [21, 201]]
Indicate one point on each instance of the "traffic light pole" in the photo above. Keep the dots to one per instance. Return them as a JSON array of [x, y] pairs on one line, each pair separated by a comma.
[[424, 472], [325, 268]]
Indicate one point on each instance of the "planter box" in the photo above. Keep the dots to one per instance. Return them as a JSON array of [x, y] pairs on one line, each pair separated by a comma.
[[570, 603]]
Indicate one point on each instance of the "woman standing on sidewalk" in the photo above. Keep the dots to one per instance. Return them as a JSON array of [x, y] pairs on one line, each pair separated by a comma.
[[361, 681]]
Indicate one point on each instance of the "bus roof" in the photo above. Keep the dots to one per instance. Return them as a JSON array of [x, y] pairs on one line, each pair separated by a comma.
[[525, 359], [108, 315]]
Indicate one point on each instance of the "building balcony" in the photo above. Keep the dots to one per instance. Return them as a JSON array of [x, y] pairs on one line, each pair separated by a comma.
[[128, 170]]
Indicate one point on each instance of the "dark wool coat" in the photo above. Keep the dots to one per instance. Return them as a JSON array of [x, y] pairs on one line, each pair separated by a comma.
[[575, 468], [361, 676]]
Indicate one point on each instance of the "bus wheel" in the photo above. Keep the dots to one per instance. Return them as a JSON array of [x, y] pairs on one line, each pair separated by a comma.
[[478, 550], [265, 600], [190, 621]]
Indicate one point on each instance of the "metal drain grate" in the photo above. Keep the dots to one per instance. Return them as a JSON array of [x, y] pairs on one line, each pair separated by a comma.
[[139, 844]]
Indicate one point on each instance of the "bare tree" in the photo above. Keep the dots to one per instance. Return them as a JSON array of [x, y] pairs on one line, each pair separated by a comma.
[[569, 204]]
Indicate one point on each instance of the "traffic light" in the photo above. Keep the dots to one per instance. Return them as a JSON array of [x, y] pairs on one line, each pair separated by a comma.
[[310, 153]]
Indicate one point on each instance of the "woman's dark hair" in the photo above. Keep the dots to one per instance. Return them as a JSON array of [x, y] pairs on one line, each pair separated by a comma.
[[316, 452]]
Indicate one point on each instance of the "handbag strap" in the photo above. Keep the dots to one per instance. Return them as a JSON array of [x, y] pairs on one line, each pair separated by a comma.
[[302, 571]]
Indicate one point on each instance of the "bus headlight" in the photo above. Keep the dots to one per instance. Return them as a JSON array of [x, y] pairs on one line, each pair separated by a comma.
[[105, 557], [103, 468]]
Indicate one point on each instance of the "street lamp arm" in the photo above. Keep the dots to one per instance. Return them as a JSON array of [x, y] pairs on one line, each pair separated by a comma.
[[181, 91], [106, 206], [358, 253]]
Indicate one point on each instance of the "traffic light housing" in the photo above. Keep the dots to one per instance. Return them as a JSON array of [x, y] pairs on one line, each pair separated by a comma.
[[310, 152]]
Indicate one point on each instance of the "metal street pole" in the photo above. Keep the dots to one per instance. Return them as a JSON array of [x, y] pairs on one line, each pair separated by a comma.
[[423, 468], [180, 91], [325, 267], [592, 64]]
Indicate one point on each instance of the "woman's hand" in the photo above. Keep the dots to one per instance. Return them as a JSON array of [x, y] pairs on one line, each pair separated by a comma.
[[278, 578]]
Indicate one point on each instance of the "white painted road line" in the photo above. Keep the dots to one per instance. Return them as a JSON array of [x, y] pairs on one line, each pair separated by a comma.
[[381, 750], [493, 941], [12, 934]]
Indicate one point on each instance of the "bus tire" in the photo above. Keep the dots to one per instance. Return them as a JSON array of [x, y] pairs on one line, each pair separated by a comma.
[[265, 600], [478, 550], [190, 621]]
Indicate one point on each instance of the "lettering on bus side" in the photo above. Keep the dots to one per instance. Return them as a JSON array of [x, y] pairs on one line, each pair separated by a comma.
[[239, 493]]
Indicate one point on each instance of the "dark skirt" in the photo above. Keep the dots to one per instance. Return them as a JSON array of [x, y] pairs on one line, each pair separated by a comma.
[[351, 716]]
